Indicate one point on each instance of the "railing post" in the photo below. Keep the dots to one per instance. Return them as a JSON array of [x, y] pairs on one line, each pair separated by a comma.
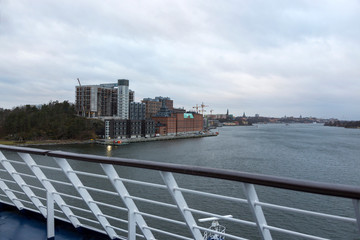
[[49, 188], [129, 203], [181, 203], [356, 203], [50, 216], [78, 185], [257, 211], [131, 225]]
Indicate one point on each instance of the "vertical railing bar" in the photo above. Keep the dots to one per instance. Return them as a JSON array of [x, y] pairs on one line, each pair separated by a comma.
[[356, 203], [257, 211], [129, 203], [50, 216], [181, 203], [131, 225], [30, 162], [76, 182]]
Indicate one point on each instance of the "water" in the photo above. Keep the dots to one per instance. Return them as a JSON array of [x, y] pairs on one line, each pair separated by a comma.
[[302, 151]]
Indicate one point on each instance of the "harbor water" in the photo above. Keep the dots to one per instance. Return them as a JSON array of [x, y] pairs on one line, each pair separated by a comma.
[[302, 151]]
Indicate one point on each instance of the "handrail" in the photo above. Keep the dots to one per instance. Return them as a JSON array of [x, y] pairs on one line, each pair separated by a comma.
[[337, 190], [93, 212]]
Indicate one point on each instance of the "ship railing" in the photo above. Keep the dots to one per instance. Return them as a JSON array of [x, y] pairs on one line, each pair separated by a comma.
[[116, 198]]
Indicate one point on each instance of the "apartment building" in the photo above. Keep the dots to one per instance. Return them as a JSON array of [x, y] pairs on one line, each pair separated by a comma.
[[153, 105], [104, 100]]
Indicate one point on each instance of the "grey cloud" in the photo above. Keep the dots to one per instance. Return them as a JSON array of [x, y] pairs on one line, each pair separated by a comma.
[[274, 58]]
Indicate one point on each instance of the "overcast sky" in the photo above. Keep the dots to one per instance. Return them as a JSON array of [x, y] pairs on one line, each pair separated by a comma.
[[273, 58]]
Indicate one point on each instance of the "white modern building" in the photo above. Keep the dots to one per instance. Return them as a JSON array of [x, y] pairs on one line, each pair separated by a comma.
[[123, 99]]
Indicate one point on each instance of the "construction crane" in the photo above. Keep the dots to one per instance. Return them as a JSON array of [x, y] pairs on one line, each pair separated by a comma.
[[202, 108], [197, 108], [82, 99]]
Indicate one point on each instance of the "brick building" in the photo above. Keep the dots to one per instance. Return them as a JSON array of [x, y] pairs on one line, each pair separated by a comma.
[[153, 105], [178, 123], [189, 122]]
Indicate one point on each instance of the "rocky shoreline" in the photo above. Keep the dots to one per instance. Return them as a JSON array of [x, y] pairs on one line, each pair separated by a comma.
[[345, 124]]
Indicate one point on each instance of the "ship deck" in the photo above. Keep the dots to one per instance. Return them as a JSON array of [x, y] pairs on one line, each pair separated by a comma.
[[21, 225]]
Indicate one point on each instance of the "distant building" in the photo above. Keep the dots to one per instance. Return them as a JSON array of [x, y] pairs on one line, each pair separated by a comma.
[[95, 101], [164, 111], [137, 111], [131, 96], [178, 123], [178, 110], [116, 128], [168, 102], [104, 100], [165, 125], [152, 107], [134, 128], [147, 128], [123, 99], [189, 122]]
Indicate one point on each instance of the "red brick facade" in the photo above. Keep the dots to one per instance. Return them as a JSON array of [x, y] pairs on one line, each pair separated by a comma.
[[179, 123]]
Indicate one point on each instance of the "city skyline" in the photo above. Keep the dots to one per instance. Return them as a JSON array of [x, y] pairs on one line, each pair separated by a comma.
[[269, 58]]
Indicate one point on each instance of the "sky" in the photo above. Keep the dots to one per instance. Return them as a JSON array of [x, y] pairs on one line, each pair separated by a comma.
[[273, 58]]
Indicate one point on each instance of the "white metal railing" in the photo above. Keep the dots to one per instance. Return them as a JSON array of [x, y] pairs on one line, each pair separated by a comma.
[[122, 205]]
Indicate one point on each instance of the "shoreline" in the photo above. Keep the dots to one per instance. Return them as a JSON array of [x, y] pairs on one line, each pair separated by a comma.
[[44, 142], [118, 142], [104, 141]]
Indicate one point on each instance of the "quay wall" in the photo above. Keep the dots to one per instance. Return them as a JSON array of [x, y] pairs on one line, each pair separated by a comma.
[[160, 138]]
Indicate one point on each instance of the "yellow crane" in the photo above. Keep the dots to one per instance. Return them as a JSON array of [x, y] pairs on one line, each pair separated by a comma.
[[197, 108], [202, 108]]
